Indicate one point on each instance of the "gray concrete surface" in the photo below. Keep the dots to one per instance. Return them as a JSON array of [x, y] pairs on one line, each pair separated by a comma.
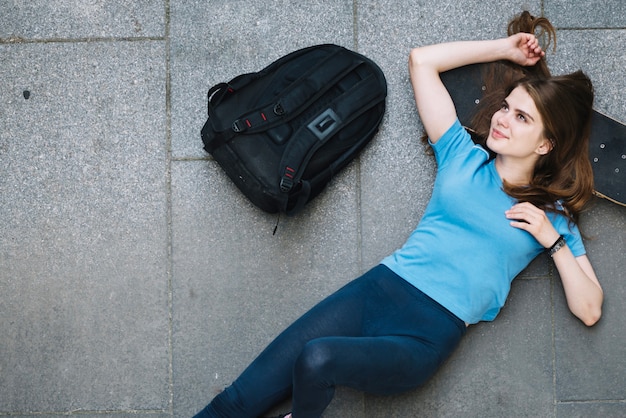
[[135, 280]]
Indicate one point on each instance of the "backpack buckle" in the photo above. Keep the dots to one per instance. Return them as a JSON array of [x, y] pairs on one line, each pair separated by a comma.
[[238, 126], [286, 184]]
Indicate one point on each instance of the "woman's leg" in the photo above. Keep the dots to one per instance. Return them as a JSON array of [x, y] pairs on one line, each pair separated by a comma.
[[407, 337], [268, 379]]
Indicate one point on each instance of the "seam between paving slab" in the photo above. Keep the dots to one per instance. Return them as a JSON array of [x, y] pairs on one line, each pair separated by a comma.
[[168, 194]]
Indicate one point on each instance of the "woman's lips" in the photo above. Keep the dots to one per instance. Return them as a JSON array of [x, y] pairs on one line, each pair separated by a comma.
[[497, 134]]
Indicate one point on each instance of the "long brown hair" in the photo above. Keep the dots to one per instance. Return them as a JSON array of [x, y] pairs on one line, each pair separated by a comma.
[[565, 103]]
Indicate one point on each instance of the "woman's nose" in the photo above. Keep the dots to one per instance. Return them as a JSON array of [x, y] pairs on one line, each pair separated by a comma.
[[502, 119]]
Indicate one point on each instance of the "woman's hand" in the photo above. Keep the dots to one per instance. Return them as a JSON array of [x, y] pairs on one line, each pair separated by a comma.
[[525, 49], [530, 218]]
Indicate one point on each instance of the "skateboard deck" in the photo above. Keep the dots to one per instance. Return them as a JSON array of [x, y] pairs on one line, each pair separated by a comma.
[[607, 146]]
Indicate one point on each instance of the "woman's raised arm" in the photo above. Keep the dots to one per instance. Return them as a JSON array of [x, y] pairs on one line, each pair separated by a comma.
[[434, 104]]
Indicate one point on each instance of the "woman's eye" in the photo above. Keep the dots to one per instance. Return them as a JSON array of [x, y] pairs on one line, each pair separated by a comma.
[[521, 117]]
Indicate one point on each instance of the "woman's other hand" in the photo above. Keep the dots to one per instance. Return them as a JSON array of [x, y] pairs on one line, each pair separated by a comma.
[[530, 218], [525, 49]]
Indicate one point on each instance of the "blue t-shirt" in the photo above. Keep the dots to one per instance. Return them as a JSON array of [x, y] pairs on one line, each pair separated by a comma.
[[464, 253]]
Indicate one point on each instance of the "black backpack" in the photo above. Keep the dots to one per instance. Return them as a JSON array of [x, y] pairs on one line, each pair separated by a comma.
[[282, 133]]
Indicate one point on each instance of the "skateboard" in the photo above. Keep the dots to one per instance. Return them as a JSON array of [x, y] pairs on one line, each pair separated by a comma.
[[607, 146]]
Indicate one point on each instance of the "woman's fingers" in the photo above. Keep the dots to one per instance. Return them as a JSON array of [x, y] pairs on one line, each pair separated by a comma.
[[530, 218]]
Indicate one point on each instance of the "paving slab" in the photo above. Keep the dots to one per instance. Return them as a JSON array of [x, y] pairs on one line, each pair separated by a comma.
[[67, 19], [84, 230], [591, 409], [586, 13], [599, 55]]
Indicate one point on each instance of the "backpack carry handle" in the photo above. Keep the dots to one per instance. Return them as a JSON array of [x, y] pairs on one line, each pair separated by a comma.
[[216, 94]]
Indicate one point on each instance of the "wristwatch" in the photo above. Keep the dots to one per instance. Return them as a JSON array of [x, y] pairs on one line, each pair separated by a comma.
[[560, 243]]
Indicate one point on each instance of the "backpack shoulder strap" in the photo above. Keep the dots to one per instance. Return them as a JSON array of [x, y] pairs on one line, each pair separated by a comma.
[[351, 104]]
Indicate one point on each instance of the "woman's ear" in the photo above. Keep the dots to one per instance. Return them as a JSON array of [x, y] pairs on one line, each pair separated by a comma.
[[545, 147]]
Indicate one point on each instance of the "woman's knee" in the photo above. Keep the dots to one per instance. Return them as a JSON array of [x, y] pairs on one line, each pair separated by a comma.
[[315, 359]]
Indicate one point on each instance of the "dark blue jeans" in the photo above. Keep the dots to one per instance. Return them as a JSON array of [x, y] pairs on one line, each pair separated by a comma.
[[378, 334]]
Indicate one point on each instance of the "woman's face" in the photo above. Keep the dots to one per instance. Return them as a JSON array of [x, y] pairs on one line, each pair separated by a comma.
[[517, 129]]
